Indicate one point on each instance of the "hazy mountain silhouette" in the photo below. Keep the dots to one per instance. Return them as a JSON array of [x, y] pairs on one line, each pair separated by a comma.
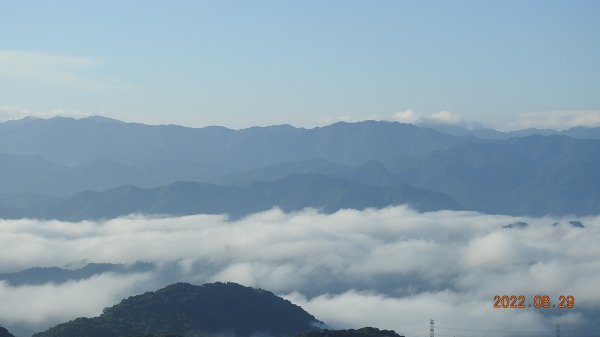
[[68, 141], [97, 168], [63, 156], [292, 193], [533, 175], [187, 310], [582, 132], [369, 173], [486, 133], [36, 175], [56, 275]]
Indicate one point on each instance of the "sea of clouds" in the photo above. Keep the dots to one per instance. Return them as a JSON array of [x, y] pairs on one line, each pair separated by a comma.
[[392, 268]]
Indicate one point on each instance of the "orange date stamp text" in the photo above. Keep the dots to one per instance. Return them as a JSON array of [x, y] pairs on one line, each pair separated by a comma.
[[537, 302]]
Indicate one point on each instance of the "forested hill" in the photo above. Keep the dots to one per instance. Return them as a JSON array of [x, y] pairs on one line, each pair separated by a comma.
[[188, 310], [5, 333]]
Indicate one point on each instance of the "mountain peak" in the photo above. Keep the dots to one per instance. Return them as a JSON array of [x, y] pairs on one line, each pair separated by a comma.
[[102, 119]]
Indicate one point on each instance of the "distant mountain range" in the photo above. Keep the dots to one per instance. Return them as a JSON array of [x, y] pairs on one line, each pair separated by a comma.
[[486, 133], [56, 275], [97, 167], [85, 141], [292, 193], [187, 310], [534, 175]]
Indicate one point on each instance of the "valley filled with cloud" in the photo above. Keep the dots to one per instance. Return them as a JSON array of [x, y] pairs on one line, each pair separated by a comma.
[[289, 168], [393, 268]]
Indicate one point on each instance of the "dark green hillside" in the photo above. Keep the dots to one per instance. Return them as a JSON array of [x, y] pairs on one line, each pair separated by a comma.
[[188, 310], [363, 332], [5, 333]]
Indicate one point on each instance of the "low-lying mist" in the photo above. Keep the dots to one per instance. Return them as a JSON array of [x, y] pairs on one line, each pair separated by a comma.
[[392, 268]]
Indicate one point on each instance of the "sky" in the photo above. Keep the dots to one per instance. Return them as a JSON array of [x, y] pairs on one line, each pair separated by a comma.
[[388, 268], [504, 64]]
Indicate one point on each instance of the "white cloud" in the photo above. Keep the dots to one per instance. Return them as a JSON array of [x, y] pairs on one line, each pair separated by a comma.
[[36, 63], [446, 117], [410, 315], [558, 120], [408, 116], [411, 117], [392, 268], [555, 120], [41, 304]]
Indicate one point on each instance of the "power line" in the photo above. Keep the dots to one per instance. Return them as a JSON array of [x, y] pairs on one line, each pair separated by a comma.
[[477, 332]]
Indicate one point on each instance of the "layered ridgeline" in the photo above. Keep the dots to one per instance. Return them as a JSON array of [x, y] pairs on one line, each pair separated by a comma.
[[100, 168], [186, 310], [57, 275], [292, 193]]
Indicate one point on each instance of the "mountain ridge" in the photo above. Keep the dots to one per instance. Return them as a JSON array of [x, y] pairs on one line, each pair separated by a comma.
[[58, 161], [70, 141], [291, 193]]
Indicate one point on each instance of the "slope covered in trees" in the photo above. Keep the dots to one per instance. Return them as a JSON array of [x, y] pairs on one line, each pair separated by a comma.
[[5, 333], [188, 310], [363, 332]]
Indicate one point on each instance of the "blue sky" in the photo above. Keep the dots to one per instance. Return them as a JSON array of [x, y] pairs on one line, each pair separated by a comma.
[[506, 64]]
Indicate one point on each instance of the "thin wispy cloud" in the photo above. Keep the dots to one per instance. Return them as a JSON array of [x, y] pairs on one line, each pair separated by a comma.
[[559, 120], [555, 120], [36, 306], [55, 69], [410, 116], [443, 117]]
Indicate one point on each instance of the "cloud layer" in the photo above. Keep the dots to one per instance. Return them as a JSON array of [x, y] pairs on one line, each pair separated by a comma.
[[559, 120], [392, 268]]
